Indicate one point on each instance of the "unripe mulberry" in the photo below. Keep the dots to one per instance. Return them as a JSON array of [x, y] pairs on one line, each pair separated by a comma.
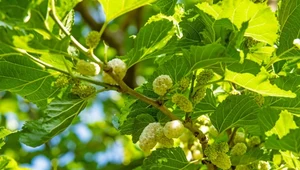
[[93, 38], [184, 83], [211, 152], [199, 95], [173, 129], [263, 165], [87, 68], [239, 149], [62, 81], [118, 68], [147, 139], [83, 90], [254, 141], [182, 102], [162, 84], [222, 147], [222, 161], [204, 77], [239, 137], [162, 139]]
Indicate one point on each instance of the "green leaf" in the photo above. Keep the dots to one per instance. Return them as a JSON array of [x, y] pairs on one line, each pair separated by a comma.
[[166, 6], [26, 14], [58, 116], [205, 56], [250, 156], [3, 133], [151, 37], [235, 111], [135, 126], [289, 142], [286, 83], [283, 125], [267, 118], [115, 8], [289, 24], [291, 159], [168, 159], [7, 163], [20, 75], [263, 25], [257, 83]]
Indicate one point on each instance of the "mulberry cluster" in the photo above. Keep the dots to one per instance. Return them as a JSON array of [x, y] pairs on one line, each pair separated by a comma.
[[118, 68], [163, 140], [83, 90], [182, 102], [201, 80], [217, 154], [162, 84], [239, 149], [92, 40], [147, 139], [87, 68]]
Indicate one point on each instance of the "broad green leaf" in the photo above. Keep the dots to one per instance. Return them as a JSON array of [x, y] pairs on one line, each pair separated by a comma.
[[263, 25], [235, 111], [151, 37], [289, 25], [168, 159], [260, 54], [289, 142], [283, 125], [267, 118], [27, 14], [205, 56], [259, 83], [115, 8], [3, 133], [7, 163], [166, 6], [32, 42], [20, 75], [250, 156], [58, 116], [290, 104]]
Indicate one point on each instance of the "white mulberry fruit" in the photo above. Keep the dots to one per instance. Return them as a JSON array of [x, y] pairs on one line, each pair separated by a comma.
[[182, 102], [173, 129], [254, 141], [263, 165], [204, 77], [162, 139], [162, 84], [147, 139], [239, 137], [87, 68], [118, 68], [239, 149], [62, 81], [83, 90]]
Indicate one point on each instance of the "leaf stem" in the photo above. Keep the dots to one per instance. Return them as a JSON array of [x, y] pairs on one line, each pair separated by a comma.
[[73, 39]]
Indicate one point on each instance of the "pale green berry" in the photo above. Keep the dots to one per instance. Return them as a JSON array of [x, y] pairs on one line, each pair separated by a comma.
[[182, 102], [162, 139], [211, 152], [199, 95], [173, 129], [239, 149], [83, 90], [204, 77], [222, 161], [254, 141], [93, 38], [263, 165], [87, 68], [239, 137], [184, 83], [62, 81], [147, 139], [162, 84], [118, 68], [221, 147]]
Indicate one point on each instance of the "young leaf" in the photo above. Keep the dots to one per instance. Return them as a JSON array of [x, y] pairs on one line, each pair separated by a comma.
[[166, 6], [168, 159], [263, 24], [7, 163], [20, 75], [235, 111], [289, 25], [115, 8], [58, 116], [3, 133], [259, 83]]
